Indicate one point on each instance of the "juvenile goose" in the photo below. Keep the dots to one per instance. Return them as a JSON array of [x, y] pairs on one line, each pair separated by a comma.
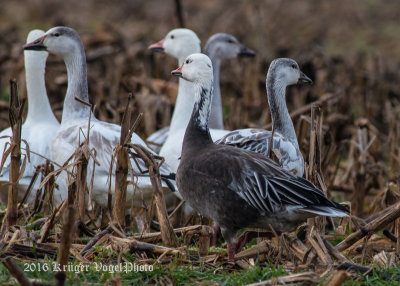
[[222, 46], [65, 42], [39, 127], [281, 73], [183, 43], [238, 188]]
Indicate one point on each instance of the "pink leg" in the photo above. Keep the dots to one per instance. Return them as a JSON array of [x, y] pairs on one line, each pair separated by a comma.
[[214, 237], [231, 249]]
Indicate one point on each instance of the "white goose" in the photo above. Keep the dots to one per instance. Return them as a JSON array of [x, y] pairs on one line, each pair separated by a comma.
[[281, 73], [218, 47], [65, 42], [39, 127], [180, 43]]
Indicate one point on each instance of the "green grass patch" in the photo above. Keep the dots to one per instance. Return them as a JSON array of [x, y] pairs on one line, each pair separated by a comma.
[[99, 273], [390, 276]]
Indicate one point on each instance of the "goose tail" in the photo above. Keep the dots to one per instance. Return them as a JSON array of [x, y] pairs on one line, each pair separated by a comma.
[[332, 211]]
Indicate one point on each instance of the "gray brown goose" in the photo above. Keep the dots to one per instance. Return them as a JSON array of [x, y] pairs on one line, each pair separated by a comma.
[[238, 188], [281, 73]]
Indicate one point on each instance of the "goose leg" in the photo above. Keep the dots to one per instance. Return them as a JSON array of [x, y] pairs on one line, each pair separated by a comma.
[[231, 250], [215, 234], [249, 235], [230, 237]]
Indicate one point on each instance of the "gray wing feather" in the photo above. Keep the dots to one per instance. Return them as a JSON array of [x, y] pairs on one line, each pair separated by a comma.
[[268, 188]]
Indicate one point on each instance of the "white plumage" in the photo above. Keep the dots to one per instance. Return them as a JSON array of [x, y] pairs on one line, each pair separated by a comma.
[[38, 129], [103, 137]]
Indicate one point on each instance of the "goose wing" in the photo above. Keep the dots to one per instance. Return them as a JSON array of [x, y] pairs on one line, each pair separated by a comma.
[[258, 140], [104, 137], [268, 188]]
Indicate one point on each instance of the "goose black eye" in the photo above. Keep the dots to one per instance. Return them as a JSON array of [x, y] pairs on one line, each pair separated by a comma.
[[230, 41], [172, 36], [56, 34], [187, 62], [294, 66]]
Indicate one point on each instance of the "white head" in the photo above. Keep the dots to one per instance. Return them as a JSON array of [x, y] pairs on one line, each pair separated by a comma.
[[62, 41], [196, 68], [286, 71], [224, 46], [35, 59], [178, 43]]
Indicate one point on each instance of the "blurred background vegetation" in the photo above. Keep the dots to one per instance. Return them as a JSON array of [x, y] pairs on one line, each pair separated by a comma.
[[117, 33]]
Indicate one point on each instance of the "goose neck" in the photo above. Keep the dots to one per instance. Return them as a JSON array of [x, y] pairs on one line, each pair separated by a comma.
[[183, 106], [276, 93], [216, 118], [197, 132], [77, 85], [39, 108]]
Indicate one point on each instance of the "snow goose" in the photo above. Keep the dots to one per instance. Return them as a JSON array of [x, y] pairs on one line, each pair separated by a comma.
[[281, 73], [180, 43], [65, 42], [39, 127], [235, 187]]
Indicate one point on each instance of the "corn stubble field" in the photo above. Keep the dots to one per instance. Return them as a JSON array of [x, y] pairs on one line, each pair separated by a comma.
[[347, 124]]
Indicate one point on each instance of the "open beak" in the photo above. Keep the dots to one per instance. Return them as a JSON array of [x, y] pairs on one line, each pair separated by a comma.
[[36, 45], [157, 47], [304, 78], [178, 71], [246, 52]]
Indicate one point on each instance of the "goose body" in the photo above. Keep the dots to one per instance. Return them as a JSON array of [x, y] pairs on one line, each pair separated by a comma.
[[235, 187], [39, 128], [183, 43], [103, 136], [281, 73]]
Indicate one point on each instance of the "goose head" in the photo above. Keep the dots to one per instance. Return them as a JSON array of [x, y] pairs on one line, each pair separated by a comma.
[[61, 41], [224, 46], [35, 60], [196, 68], [178, 43], [288, 71]]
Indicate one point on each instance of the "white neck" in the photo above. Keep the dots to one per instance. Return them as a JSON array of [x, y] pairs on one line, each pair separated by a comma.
[[39, 108], [77, 86], [183, 105], [202, 106]]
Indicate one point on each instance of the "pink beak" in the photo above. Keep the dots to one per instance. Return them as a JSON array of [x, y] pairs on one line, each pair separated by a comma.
[[157, 47], [178, 71], [36, 45]]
